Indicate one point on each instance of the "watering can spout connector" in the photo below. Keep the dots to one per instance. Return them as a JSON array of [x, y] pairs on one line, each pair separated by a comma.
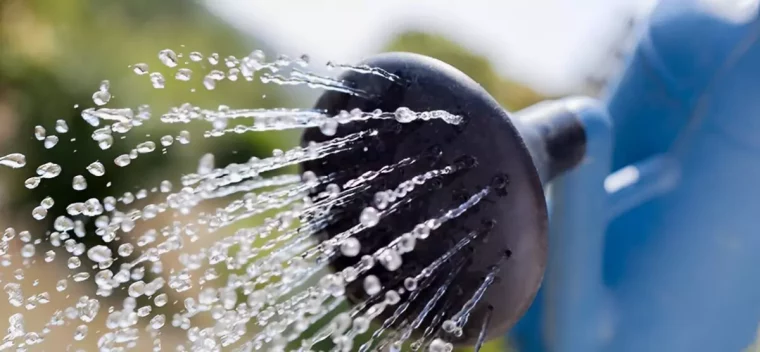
[[556, 133]]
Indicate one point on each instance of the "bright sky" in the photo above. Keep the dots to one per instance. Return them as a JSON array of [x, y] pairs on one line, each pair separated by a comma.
[[549, 44]]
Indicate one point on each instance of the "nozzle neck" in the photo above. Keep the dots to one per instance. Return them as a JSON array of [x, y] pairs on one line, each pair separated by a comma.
[[554, 136]]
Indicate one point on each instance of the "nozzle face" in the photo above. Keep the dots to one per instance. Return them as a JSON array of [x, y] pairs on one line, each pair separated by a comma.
[[488, 153]]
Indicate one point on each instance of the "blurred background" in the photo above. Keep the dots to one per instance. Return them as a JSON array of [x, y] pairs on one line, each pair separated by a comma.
[[54, 54]]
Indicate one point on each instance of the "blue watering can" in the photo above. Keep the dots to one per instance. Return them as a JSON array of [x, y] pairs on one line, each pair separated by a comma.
[[655, 237]]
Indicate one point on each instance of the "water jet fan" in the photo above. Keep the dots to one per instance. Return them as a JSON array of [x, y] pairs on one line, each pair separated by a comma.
[[492, 244]]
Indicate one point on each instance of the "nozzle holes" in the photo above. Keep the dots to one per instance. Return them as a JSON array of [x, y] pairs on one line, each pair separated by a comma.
[[466, 162], [460, 196], [433, 154], [500, 183], [436, 183], [489, 224]]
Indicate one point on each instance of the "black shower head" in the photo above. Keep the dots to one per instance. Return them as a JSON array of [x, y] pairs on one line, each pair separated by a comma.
[[491, 151]]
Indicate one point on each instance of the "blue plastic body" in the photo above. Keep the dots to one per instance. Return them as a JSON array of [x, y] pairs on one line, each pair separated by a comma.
[[655, 238]]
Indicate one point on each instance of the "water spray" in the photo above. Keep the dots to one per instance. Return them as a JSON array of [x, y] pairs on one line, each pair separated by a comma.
[[417, 220]]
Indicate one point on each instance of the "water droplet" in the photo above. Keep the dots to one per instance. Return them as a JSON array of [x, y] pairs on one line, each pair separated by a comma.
[[102, 96], [381, 200], [392, 297], [122, 160], [329, 127], [438, 345], [14, 160], [125, 249], [50, 141], [410, 283], [195, 56], [213, 59], [158, 80], [80, 333], [157, 322], [406, 243], [209, 83], [146, 147], [161, 300], [369, 217], [73, 262], [183, 74], [61, 285], [206, 164], [49, 170], [39, 133], [184, 137], [165, 186], [63, 223], [99, 254], [350, 247], [47, 202], [49, 256], [404, 115], [27, 251], [61, 126], [168, 57], [390, 259], [140, 68], [167, 140], [79, 183], [79, 277], [372, 285], [96, 169], [105, 142], [32, 182], [136, 289]]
